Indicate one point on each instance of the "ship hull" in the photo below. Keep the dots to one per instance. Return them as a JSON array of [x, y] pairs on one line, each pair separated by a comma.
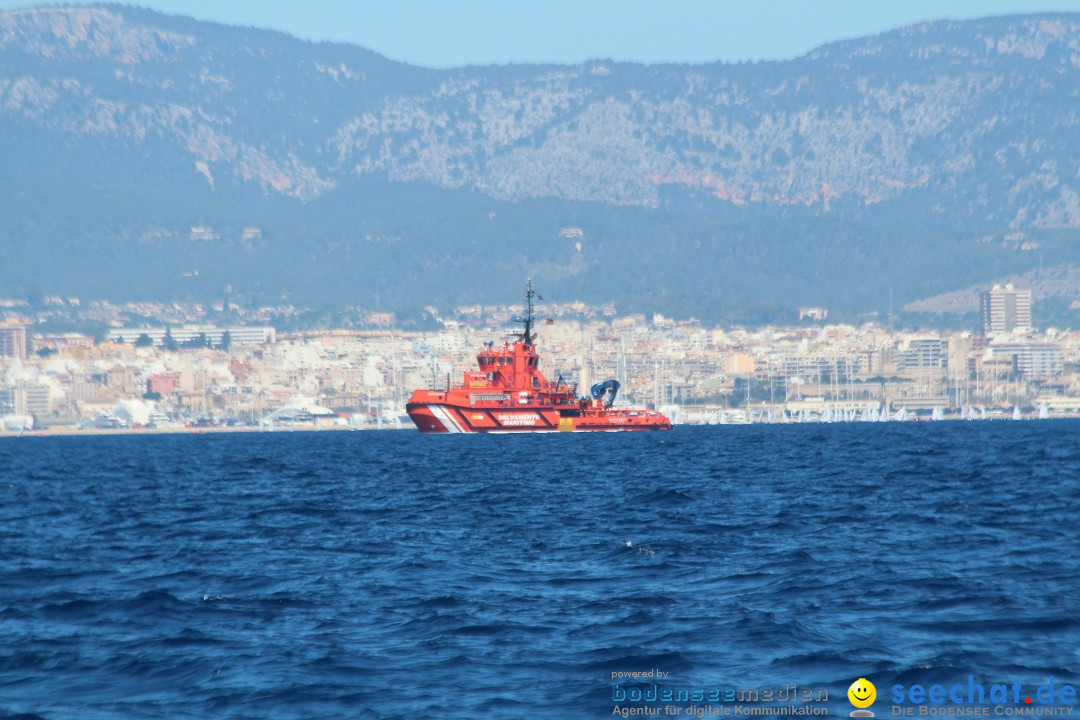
[[453, 419]]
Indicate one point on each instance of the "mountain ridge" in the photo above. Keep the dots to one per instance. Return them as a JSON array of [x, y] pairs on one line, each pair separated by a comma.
[[961, 127]]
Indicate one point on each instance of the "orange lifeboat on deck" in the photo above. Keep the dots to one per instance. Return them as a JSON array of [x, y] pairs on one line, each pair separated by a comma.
[[508, 393]]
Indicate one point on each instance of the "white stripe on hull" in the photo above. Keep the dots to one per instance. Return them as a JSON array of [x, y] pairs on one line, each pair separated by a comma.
[[446, 417], [443, 416]]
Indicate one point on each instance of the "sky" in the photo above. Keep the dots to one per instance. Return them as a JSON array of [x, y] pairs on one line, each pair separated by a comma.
[[452, 33]]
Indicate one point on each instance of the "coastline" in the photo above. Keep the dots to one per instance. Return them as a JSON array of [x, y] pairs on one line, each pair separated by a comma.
[[68, 430]]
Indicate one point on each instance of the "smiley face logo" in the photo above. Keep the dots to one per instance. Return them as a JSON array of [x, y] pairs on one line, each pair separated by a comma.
[[862, 693]]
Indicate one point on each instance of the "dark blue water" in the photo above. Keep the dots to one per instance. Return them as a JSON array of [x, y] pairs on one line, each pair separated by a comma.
[[393, 575]]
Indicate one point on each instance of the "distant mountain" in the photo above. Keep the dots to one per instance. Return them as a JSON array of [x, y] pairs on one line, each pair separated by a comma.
[[1059, 283], [140, 148]]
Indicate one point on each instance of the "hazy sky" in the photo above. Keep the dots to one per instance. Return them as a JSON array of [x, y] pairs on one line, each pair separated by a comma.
[[447, 33]]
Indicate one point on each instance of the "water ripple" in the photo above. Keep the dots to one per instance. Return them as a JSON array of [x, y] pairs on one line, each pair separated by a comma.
[[390, 575]]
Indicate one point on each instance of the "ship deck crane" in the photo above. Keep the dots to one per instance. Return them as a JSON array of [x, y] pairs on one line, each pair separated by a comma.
[[599, 389]]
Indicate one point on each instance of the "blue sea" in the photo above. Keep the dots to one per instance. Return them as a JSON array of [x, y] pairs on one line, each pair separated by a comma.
[[394, 575]]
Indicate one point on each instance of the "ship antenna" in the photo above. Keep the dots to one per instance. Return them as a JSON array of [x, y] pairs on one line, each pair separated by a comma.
[[527, 336]]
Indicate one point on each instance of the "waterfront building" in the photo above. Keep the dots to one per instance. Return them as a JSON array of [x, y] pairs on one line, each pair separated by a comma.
[[922, 353], [1032, 359], [13, 341]]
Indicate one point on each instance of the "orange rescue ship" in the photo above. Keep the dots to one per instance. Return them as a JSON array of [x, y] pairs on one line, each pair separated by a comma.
[[509, 394]]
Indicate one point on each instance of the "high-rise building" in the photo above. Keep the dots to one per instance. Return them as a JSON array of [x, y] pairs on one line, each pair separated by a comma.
[[13, 340], [1005, 309]]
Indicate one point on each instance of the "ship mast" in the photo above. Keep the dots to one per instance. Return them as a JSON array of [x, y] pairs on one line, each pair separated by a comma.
[[527, 336]]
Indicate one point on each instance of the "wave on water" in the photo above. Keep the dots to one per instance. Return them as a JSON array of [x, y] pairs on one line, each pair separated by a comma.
[[394, 575]]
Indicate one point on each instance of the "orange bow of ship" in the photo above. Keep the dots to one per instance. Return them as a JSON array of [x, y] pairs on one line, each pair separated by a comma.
[[508, 393]]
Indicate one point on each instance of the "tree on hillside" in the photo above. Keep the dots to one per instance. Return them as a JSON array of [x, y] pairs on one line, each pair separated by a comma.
[[169, 343], [201, 341]]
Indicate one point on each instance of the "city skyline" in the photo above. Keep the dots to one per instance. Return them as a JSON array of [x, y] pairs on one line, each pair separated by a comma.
[[247, 374]]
